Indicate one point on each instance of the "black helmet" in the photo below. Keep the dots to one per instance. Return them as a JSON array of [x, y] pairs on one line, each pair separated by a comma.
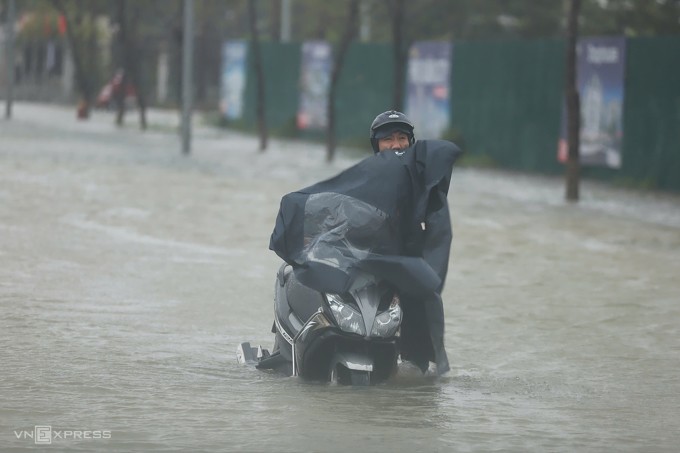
[[387, 123]]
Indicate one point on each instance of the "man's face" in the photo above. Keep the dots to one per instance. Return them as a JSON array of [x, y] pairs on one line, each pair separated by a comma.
[[394, 142]]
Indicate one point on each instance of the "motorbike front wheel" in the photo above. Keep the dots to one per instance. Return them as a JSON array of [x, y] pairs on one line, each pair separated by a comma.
[[360, 377], [344, 376]]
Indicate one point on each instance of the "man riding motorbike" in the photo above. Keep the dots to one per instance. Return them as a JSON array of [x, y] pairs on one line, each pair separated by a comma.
[[407, 182], [422, 329]]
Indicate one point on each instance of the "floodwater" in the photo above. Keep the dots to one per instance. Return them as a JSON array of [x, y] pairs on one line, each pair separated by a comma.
[[129, 273]]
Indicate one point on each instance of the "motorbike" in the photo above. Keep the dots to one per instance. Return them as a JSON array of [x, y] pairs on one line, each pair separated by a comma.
[[337, 317], [365, 254], [349, 338]]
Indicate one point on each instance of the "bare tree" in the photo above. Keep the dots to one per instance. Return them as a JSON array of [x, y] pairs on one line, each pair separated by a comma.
[[275, 22], [259, 74], [573, 105], [83, 80], [350, 32], [9, 58], [129, 56]]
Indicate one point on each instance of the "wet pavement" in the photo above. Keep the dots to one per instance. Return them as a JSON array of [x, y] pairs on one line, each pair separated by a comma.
[[129, 273]]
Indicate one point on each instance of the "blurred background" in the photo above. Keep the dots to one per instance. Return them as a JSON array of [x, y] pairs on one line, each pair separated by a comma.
[[487, 74]]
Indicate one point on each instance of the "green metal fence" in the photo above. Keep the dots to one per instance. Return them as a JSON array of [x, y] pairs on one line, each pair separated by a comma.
[[506, 102], [364, 90], [651, 117], [281, 63]]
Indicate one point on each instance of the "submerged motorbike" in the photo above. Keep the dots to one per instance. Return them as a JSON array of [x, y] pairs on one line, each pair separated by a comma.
[[336, 316], [349, 338], [354, 270]]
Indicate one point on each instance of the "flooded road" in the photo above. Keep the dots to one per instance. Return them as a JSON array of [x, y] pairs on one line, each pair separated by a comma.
[[129, 273]]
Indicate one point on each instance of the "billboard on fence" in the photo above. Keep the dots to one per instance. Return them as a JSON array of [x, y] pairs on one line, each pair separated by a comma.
[[427, 87], [315, 74], [600, 76], [233, 83]]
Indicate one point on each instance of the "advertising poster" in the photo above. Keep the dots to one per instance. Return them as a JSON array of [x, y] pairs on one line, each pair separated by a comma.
[[315, 76], [600, 73], [233, 83], [427, 87]]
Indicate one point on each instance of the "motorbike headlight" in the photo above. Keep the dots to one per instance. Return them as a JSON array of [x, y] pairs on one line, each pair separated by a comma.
[[348, 318], [387, 322]]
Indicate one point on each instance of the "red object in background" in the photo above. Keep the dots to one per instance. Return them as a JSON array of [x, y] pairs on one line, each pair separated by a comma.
[[440, 92], [61, 24], [111, 90], [81, 111]]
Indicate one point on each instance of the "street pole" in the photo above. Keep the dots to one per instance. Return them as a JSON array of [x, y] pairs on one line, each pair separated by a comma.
[[187, 72], [9, 25], [285, 20]]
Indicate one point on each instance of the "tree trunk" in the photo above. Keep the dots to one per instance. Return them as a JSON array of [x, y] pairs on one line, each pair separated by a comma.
[[351, 29], [259, 74], [10, 64], [136, 80], [573, 106], [275, 28], [122, 47], [129, 55], [134, 69], [82, 79], [400, 51]]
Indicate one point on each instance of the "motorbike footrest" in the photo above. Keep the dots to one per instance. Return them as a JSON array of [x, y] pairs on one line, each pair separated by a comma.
[[246, 354]]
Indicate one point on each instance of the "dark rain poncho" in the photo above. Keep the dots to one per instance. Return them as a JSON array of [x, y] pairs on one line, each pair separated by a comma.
[[387, 215]]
